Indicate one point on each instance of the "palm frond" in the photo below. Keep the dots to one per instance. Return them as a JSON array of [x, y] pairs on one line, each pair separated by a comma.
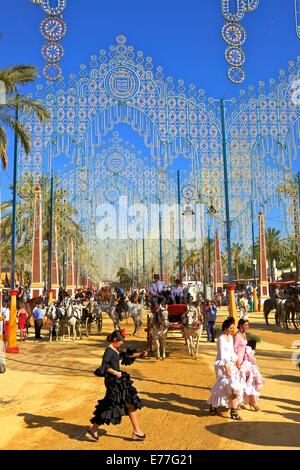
[[18, 75], [29, 106], [3, 148]]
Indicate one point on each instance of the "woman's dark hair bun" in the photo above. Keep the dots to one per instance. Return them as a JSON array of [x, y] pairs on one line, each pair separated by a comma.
[[115, 336], [226, 324]]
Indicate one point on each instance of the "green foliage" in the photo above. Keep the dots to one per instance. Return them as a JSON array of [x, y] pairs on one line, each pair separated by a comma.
[[124, 278], [14, 78]]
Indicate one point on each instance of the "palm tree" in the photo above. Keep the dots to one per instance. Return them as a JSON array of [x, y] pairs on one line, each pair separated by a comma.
[[64, 215], [14, 78], [124, 277], [272, 246]]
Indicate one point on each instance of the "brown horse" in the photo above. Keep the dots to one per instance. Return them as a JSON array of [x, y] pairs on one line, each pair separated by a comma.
[[291, 307]]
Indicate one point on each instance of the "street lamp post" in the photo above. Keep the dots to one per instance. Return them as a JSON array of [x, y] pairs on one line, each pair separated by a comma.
[[12, 336], [231, 287], [298, 240], [179, 226], [50, 251], [255, 300]]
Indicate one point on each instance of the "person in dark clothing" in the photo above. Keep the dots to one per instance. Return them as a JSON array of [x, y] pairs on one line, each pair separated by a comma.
[[122, 306], [121, 397]]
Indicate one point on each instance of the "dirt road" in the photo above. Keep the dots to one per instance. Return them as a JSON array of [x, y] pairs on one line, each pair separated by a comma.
[[48, 394]]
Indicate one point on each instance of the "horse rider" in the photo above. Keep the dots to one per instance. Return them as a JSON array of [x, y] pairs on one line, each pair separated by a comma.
[[122, 305], [177, 293], [156, 290]]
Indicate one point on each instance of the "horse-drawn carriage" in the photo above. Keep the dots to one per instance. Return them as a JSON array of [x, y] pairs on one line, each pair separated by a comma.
[[160, 322]]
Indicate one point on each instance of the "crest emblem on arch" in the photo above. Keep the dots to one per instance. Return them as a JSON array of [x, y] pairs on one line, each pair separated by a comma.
[[122, 83]]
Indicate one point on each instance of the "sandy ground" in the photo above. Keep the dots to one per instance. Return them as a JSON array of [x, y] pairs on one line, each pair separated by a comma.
[[48, 394]]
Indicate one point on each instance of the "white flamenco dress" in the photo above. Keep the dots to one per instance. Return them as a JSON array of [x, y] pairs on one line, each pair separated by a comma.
[[225, 387], [251, 378]]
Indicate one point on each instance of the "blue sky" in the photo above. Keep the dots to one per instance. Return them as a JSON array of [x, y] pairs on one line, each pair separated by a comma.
[[184, 36]]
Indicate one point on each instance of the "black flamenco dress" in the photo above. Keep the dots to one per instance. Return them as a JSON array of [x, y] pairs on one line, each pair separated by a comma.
[[119, 392]]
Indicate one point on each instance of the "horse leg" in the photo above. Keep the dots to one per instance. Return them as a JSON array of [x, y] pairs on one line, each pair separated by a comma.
[[266, 313], [79, 330], [163, 346], [200, 333], [74, 330], [293, 320], [157, 345], [286, 319], [198, 336]]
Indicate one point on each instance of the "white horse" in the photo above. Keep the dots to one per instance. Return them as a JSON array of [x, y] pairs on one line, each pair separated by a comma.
[[53, 314], [134, 311], [192, 330], [72, 316], [158, 325]]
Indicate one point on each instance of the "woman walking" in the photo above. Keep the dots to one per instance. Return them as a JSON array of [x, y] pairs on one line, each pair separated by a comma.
[[121, 397], [22, 322], [228, 388], [250, 375]]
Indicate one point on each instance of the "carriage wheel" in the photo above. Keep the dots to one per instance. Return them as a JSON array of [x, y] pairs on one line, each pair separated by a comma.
[[88, 326], [99, 323]]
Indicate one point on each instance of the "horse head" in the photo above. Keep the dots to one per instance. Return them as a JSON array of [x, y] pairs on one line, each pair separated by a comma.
[[51, 312], [191, 316], [163, 316]]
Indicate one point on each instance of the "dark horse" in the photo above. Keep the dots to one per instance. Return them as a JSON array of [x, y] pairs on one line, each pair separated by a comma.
[[292, 306], [269, 305]]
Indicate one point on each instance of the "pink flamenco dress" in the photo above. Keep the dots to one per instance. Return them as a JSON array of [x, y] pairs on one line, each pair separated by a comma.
[[250, 375], [225, 387]]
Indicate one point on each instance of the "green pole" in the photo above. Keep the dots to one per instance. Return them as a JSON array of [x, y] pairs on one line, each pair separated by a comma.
[[227, 205], [179, 227], [14, 208]]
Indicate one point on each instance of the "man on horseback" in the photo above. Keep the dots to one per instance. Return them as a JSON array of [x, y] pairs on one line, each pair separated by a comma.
[[122, 306], [156, 289]]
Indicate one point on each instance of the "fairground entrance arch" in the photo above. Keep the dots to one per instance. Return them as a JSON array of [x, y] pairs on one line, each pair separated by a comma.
[[175, 121]]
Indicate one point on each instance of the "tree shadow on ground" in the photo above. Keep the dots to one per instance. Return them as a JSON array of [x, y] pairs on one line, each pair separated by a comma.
[[267, 434], [274, 355], [160, 382], [55, 369], [285, 378], [273, 328], [283, 400], [292, 416], [73, 431], [164, 401]]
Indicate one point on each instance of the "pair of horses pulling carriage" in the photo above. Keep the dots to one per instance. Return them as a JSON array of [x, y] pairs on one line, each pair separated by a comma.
[[286, 310], [172, 318]]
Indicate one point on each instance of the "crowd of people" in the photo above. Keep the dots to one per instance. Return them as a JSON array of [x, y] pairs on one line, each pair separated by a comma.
[[238, 379]]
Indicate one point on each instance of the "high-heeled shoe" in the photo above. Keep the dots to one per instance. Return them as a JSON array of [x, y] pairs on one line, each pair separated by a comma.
[[138, 437], [213, 411], [254, 407], [94, 435], [234, 414]]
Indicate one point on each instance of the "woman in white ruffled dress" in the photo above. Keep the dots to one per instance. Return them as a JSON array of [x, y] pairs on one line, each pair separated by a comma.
[[227, 391]]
